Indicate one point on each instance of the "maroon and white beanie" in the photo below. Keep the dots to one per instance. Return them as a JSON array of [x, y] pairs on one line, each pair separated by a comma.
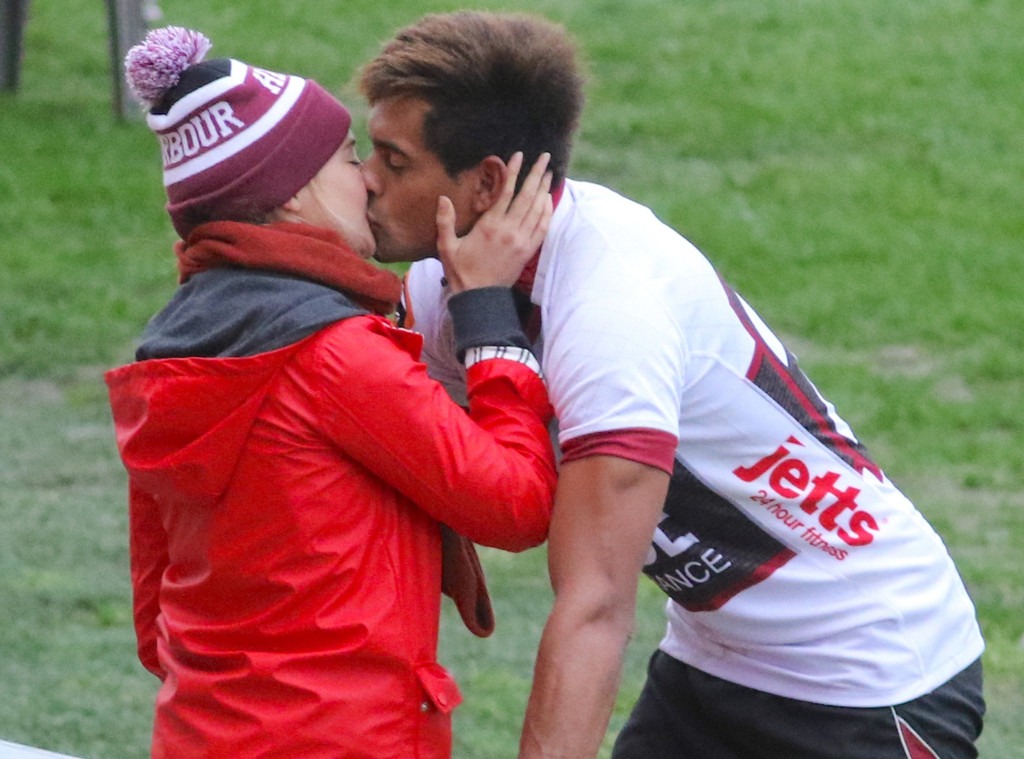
[[237, 141]]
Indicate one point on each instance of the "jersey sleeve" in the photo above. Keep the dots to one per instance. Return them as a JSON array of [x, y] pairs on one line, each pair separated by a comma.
[[613, 363]]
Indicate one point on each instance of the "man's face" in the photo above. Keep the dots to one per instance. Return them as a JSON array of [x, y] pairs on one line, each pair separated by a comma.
[[404, 180]]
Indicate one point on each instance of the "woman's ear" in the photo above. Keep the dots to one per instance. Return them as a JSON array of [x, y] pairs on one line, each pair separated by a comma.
[[290, 210], [293, 205], [490, 180]]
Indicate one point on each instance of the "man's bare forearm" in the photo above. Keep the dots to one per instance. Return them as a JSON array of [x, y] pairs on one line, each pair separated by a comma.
[[576, 680], [605, 512]]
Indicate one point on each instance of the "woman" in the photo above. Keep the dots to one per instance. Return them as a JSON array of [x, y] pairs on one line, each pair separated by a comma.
[[290, 463]]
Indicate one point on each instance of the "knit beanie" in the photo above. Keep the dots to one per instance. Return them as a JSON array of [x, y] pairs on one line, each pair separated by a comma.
[[237, 141]]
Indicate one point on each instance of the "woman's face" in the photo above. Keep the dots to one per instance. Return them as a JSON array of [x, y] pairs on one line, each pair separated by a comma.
[[336, 199]]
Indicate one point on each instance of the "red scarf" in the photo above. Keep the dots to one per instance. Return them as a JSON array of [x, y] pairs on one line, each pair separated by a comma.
[[307, 251]]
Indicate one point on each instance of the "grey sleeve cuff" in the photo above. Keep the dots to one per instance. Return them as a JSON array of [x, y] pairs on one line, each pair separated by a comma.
[[485, 316]]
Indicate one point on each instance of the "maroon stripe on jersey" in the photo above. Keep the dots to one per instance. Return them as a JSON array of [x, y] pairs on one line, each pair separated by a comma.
[[759, 573], [645, 446], [788, 386]]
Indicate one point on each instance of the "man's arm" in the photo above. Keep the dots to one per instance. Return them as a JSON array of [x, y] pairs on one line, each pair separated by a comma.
[[606, 510]]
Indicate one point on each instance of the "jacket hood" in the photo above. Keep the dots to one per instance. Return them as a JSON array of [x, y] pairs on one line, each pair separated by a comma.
[[181, 423], [183, 412]]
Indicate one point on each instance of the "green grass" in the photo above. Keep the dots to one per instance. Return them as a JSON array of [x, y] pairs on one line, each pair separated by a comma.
[[853, 167]]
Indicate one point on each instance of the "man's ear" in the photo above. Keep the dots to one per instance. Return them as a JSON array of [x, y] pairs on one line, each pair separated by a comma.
[[489, 182]]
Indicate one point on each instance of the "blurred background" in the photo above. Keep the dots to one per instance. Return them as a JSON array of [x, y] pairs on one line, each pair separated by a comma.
[[854, 167]]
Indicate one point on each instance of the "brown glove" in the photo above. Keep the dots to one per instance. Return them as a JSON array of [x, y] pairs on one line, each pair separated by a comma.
[[462, 580]]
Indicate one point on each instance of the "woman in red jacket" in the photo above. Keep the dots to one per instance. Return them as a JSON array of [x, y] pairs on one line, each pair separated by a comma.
[[290, 463]]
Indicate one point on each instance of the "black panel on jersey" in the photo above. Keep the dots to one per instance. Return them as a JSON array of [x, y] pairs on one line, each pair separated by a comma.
[[725, 551]]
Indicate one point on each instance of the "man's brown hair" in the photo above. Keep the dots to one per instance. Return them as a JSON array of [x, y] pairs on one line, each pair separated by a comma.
[[496, 83]]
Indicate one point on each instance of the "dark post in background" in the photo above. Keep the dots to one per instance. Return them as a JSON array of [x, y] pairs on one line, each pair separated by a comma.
[[12, 17], [126, 22]]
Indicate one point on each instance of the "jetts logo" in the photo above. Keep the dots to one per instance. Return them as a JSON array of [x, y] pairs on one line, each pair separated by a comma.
[[821, 495]]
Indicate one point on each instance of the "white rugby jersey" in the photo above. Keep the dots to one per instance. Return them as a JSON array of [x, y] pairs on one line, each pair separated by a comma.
[[792, 564]]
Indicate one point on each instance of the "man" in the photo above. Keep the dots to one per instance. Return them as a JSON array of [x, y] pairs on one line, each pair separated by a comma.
[[813, 612]]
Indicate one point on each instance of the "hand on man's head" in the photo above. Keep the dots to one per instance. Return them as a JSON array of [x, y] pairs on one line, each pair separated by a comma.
[[504, 238]]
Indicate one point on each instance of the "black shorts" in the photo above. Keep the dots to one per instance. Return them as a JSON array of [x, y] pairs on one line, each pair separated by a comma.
[[683, 712]]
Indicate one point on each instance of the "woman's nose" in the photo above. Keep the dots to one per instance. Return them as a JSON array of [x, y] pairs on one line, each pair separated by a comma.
[[369, 176]]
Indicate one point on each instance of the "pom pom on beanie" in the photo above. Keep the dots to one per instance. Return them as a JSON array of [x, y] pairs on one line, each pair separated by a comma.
[[237, 141], [155, 65]]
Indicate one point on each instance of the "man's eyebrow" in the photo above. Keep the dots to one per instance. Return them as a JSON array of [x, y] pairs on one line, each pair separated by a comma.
[[389, 146]]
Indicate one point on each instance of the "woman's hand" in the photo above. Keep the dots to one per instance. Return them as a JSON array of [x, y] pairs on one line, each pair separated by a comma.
[[504, 238]]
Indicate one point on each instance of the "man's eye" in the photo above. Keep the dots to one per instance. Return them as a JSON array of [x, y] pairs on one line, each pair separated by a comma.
[[394, 163]]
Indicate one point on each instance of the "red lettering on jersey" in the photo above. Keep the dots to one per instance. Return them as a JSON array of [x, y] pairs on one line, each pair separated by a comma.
[[790, 477], [751, 473]]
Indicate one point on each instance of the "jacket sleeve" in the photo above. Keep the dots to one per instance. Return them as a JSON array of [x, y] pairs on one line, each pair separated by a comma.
[[488, 474], [148, 561]]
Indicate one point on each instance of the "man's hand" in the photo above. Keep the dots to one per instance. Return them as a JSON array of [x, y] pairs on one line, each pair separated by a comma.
[[505, 237]]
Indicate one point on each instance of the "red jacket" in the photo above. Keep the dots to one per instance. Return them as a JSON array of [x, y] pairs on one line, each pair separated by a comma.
[[285, 546]]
